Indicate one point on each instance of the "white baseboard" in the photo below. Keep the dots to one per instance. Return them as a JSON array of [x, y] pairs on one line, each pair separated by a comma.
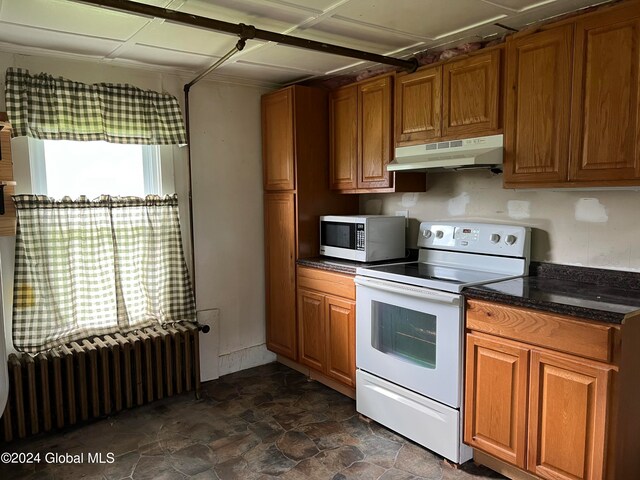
[[245, 358]]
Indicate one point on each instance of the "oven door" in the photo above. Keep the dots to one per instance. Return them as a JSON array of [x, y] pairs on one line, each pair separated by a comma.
[[410, 336]]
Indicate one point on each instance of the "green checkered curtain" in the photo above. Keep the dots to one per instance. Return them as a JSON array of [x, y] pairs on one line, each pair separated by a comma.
[[84, 268], [49, 108]]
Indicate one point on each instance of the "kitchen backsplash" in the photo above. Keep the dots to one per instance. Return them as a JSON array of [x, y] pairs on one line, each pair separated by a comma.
[[597, 228]]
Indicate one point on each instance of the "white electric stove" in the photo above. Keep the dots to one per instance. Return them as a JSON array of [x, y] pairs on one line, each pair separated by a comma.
[[410, 329]]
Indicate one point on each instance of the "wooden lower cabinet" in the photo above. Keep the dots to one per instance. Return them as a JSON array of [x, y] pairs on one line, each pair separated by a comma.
[[340, 327], [496, 398], [567, 417], [312, 329], [326, 324], [541, 407]]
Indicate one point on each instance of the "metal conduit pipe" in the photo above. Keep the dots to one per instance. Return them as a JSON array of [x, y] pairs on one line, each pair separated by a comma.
[[187, 87], [248, 31]]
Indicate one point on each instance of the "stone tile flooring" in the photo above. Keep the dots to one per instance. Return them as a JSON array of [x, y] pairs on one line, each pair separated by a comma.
[[264, 423]]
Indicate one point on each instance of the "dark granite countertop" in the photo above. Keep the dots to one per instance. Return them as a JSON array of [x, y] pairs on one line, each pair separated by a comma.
[[349, 266], [596, 294]]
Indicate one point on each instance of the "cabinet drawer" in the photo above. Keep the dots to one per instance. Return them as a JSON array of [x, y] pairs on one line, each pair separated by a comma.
[[339, 284], [564, 334]]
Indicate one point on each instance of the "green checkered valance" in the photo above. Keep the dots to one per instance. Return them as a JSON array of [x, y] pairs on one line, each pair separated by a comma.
[[88, 268], [49, 108]]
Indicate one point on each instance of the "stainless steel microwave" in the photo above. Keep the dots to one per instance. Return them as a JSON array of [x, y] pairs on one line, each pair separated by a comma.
[[364, 238]]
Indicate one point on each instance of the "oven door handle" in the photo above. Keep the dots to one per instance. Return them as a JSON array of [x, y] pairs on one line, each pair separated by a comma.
[[408, 290]]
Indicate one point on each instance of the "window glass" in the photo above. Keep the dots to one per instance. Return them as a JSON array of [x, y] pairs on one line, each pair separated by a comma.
[[99, 168]]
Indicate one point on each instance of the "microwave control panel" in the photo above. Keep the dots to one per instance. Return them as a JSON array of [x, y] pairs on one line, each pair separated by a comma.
[[360, 239]]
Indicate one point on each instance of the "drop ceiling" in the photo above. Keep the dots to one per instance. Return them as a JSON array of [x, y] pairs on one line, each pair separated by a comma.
[[391, 27]]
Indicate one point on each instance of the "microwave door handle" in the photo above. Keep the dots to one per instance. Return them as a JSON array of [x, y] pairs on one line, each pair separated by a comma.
[[408, 290]]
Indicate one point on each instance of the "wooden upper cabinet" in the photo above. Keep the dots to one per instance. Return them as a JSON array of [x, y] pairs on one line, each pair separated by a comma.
[[605, 129], [418, 106], [280, 254], [374, 132], [472, 95], [278, 148], [567, 418], [496, 396], [538, 105], [343, 138]]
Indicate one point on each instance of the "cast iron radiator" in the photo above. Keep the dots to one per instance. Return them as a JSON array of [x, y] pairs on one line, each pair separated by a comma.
[[99, 376]]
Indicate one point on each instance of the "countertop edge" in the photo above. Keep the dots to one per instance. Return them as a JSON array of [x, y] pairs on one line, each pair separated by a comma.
[[601, 316]]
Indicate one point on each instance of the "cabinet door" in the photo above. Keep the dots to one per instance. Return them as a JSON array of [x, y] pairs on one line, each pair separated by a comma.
[[605, 129], [341, 340], [471, 103], [343, 128], [311, 328], [374, 133], [537, 113], [567, 417], [418, 106], [280, 253], [496, 398], [277, 140]]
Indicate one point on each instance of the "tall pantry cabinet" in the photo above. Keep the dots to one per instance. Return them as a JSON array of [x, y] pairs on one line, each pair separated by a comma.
[[296, 192]]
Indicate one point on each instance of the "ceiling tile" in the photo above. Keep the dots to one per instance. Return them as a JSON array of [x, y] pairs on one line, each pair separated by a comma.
[[71, 17], [296, 58], [421, 18], [349, 34], [55, 41], [263, 15], [169, 58], [520, 5], [315, 5], [262, 73], [549, 10], [187, 39]]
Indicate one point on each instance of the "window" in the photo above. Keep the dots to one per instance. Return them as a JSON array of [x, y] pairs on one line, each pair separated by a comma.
[[59, 168]]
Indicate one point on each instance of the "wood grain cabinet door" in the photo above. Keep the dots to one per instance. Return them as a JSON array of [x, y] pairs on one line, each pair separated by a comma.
[[538, 108], [340, 338], [280, 257], [496, 398], [278, 156], [311, 329], [343, 138], [567, 417], [471, 104], [374, 132], [418, 106], [605, 128]]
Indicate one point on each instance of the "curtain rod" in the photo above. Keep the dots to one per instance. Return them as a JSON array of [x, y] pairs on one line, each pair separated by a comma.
[[248, 31]]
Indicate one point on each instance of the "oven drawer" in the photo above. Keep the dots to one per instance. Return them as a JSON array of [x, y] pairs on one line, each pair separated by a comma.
[[428, 423], [584, 338]]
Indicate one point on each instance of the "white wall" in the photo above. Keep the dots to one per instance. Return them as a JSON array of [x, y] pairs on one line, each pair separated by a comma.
[[593, 228], [227, 199]]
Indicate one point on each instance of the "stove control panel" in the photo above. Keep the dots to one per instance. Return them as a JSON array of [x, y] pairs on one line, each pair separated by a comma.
[[493, 239]]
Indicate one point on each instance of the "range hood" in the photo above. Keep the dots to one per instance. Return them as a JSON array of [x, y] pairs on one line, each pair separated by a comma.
[[468, 153]]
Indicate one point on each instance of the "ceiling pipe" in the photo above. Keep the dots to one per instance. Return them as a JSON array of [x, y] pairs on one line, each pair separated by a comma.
[[187, 87], [248, 31]]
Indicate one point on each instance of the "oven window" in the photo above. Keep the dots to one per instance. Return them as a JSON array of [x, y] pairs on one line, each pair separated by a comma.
[[403, 333], [337, 234]]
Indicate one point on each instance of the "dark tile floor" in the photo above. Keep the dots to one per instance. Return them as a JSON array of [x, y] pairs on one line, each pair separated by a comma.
[[258, 424]]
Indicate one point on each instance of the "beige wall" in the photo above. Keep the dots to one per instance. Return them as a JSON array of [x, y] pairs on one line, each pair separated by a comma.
[[227, 197], [590, 228]]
